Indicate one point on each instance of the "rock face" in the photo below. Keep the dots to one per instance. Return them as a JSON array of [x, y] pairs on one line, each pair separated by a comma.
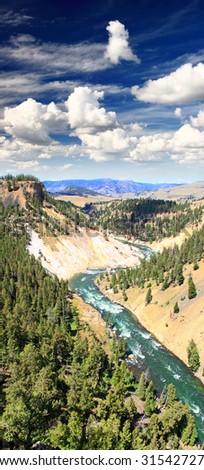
[[36, 191], [17, 192], [66, 256]]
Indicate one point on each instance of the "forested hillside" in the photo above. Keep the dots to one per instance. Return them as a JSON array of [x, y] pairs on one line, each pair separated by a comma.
[[165, 268], [144, 219], [59, 385]]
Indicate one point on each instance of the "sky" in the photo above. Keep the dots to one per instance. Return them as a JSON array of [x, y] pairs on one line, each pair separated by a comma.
[[102, 89]]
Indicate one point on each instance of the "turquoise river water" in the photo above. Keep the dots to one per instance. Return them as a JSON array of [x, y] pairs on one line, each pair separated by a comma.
[[163, 367]]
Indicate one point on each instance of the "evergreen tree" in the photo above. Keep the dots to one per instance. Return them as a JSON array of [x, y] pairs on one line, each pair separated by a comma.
[[171, 395], [125, 437], [193, 356], [176, 308], [190, 434], [141, 388], [191, 288], [150, 402], [149, 296]]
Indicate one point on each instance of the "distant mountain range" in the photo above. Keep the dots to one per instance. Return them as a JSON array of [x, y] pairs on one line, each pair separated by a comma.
[[76, 191], [104, 186]]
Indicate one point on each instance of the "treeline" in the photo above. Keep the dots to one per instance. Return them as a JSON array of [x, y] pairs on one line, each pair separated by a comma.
[[144, 219], [60, 386], [165, 268], [20, 177], [13, 181]]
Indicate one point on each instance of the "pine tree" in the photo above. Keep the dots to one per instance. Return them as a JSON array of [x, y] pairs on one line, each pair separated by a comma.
[[193, 356], [75, 428], [141, 389], [125, 437], [149, 296], [150, 402], [191, 288], [171, 395], [189, 434], [176, 308]]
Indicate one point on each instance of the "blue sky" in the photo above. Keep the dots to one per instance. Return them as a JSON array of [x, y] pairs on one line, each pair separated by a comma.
[[111, 88]]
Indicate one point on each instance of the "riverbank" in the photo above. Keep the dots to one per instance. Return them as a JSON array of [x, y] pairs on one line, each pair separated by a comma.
[[173, 331]]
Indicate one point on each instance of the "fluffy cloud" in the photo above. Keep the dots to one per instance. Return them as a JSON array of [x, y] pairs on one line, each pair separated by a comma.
[[118, 47], [187, 145], [108, 145], [101, 136], [198, 121], [84, 111], [29, 128], [33, 122], [182, 86], [151, 147]]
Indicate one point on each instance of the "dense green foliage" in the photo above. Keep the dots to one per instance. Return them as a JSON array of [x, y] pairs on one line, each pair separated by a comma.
[[60, 385], [165, 269], [144, 219]]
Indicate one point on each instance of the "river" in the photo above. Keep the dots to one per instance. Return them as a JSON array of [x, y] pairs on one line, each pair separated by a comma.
[[163, 367]]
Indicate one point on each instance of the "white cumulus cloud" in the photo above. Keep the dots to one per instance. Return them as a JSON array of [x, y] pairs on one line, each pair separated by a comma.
[[101, 135], [187, 137], [84, 111], [151, 147], [32, 121], [118, 44], [186, 84], [107, 145]]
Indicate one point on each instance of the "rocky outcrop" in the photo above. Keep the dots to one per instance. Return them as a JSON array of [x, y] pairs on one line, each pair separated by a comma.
[[19, 192]]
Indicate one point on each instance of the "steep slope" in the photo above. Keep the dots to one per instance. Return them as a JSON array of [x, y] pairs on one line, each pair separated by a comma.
[[69, 255], [58, 232]]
